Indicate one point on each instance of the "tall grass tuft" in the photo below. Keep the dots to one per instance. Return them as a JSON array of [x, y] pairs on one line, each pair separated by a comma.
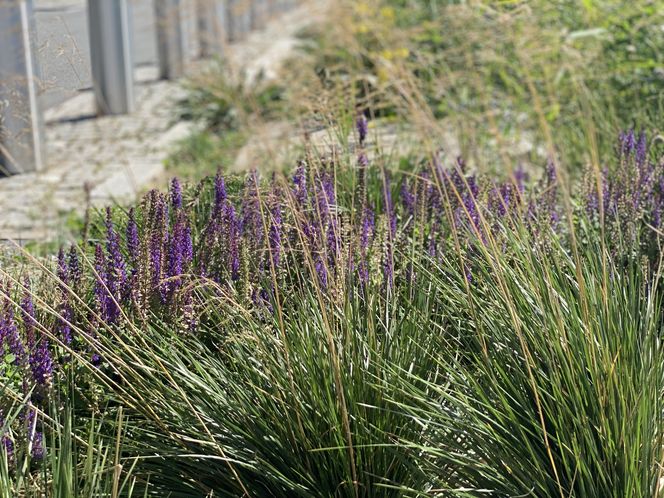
[[357, 332], [562, 391], [73, 456]]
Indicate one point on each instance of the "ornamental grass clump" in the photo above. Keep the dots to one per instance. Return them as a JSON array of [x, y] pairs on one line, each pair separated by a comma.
[[348, 330], [557, 390], [459, 341]]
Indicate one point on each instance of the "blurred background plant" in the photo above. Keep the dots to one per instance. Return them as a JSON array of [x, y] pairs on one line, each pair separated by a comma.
[[223, 102], [511, 81], [226, 109]]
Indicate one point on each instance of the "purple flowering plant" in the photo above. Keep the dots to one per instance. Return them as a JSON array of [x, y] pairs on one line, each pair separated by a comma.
[[255, 242], [257, 235]]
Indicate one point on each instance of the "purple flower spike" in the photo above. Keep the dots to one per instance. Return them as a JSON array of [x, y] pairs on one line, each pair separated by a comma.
[[38, 446], [275, 235], [180, 251], [363, 160], [496, 204], [368, 227], [232, 225], [176, 193], [325, 196], [132, 238], [551, 173], [5, 440], [63, 267], [362, 128], [300, 184], [39, 356], [469, 200], [35, 437], [187, 245], [328, 190], [116, 274], [102, 297], [28, 313], [520, 178], [641, 150], [65, 328], [219, 191], [174, 261], [627, 143], [75, 271], [333, 242], [324, 228], [251, 224], [9, 334], [408, 198], [321, 270], [42, 363]]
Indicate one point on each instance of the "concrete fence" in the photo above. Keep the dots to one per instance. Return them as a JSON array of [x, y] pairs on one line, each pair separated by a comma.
[[183, 29], [21, 123]]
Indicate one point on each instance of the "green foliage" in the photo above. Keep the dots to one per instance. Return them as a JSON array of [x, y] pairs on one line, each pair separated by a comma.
[[204, 151], [561, 394], [294, 405], [222, 104], [541, 374], [81, 459], [511, 363], [508, 358], [561, 76]]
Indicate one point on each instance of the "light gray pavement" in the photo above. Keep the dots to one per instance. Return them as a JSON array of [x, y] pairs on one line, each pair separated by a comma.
[[92, 161], [96, 161]]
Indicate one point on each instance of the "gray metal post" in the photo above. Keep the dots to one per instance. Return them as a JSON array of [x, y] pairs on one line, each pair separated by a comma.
[[211, 27], [239, 18], [170, 42], [281, 6], [110, 53], [246, 16], [21, 123], [232, 27], [189, 24], [258, 13]]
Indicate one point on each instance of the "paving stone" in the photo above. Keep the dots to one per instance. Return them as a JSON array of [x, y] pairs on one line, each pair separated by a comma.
[[127, 182]]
